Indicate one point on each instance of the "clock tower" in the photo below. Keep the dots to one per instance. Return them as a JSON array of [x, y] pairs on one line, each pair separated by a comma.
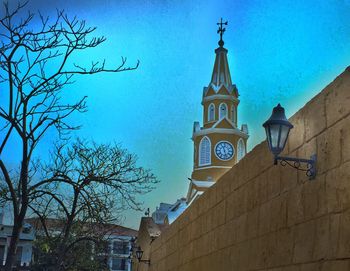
[[219, 143]]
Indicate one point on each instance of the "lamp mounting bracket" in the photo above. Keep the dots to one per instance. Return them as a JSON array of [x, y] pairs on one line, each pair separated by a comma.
[[294, 162], [145, 261]]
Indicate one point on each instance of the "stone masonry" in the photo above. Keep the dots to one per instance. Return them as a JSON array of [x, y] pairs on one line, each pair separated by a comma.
[[264, 217]]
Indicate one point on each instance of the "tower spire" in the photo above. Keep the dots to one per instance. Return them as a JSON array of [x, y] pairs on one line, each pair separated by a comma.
[[221, 31], [221, 72]]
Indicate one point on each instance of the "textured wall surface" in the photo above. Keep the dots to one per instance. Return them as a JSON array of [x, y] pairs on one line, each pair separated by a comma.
[[264, 217]]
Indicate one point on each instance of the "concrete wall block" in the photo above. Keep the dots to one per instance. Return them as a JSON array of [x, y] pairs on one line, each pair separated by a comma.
[[224, 260], [197, 207], [219, 214], [345, 139], [207, 262], [329, 149], [344, 236], [334, 224], [202, 221], [184, 236], [313, 198], [172, 261], [304, 240], [315, 116], [195, 229], [212, 196], [156, 244], [295, 209], [271, 250], [273, 182], [265, 218], [221, 190], [311, 266], [234, 257], [322, 238], [243, 252], [338, 188], [262, 252], [338, 98], [251, 189], [253, 254], [240, 172], [241, 195], [262, 188], [188, 252], [183, 219], [284, 247], [297, 135], [204, 245], [197, 248], [223, 238], [210, 220], [252, 223], [258, 161], [241, 223], [289, 268], [337, 265], [231, 202], [213, 241], [278, 209], [230, 232]]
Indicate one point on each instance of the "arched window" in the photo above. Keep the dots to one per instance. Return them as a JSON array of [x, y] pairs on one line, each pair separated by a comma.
[[204, 151], [240, 149], [194, 154], [223, 111], [233, 115], [211, 112]]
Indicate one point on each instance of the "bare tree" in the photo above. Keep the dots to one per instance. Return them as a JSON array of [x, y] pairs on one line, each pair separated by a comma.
[[85, 188], [34, 70]]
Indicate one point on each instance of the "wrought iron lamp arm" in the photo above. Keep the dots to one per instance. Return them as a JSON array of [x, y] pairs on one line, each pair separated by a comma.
[[310, 164], [145, 261]]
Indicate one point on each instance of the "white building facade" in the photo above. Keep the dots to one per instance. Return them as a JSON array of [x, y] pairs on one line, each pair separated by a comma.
[[25, 246]]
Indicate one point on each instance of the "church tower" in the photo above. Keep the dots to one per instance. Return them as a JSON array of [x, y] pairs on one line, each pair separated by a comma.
[[219, 143]]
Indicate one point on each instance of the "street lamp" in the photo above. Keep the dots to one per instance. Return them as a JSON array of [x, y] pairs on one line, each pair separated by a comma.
[[139, 253], [277, 129]]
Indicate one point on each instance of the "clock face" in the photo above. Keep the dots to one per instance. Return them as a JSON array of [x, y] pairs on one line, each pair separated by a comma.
[[224, 150]]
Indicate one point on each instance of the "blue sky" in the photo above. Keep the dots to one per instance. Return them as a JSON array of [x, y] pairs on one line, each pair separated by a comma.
[[279, 51]]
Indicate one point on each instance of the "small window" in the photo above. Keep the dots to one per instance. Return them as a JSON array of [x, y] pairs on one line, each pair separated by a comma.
[[233, 115], [240, 149], [18, 256], [119, 264], [223, 111], [204, 151], [120, 247], [211, 112], [2, 255]]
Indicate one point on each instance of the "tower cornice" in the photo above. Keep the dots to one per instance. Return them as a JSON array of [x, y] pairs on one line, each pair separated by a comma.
[[208, 131], [220, 97]]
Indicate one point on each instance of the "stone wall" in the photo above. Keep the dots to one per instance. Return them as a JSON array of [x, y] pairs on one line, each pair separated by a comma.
[[264, 217]]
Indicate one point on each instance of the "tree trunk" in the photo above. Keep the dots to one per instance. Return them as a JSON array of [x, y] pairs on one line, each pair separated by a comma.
[[19, 219], [11, 252]]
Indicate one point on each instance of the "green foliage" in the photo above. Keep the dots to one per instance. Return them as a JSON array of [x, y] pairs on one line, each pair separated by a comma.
[[83, 256]]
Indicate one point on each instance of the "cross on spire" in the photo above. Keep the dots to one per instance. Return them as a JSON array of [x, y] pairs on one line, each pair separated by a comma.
[[221, 31]]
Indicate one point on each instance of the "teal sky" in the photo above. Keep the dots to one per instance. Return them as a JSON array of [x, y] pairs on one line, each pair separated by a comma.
[[279, 51]]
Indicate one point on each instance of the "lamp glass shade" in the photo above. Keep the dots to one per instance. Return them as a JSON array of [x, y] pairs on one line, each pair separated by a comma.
[[277, 129], [139, 253], [274, 134], [283, 136]]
